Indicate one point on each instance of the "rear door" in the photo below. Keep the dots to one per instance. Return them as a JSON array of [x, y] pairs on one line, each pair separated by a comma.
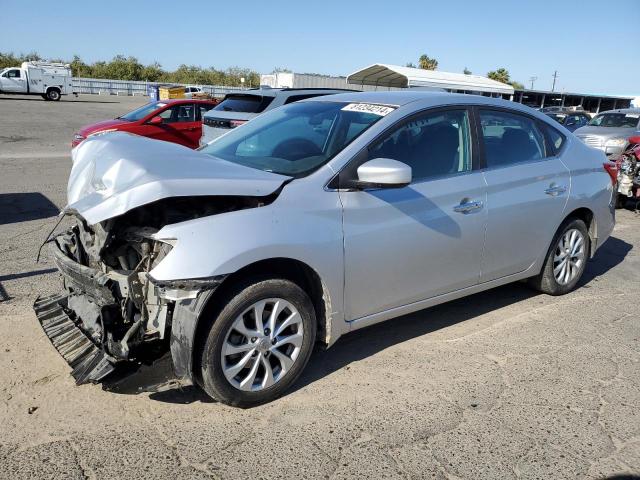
[[528, 186]]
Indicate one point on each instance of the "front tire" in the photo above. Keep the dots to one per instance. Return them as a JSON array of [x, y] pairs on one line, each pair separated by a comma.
[[566, 259], [259, 344], [53, 94]]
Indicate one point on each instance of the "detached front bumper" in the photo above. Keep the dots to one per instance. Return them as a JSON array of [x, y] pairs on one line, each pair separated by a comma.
[[67, 329], [88, 362]]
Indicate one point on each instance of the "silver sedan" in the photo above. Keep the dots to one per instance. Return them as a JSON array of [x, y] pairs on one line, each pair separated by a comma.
[[315, 219]]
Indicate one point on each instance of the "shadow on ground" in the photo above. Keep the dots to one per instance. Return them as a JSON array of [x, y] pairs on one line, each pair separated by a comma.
[[159, 380], [22, 207]]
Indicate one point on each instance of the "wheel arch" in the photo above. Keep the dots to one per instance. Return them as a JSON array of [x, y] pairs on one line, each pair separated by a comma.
[[53, 87], [587, 216], [290, 269]]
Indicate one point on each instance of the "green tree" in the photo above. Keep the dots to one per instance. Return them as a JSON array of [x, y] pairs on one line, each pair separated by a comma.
[[499, 75], [411, 65], [427, 63], [466, 71], [129, 68], [502, 75]]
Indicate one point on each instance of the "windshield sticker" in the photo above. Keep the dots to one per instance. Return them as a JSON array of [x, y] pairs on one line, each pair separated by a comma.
[[632, 115], [380, 110]]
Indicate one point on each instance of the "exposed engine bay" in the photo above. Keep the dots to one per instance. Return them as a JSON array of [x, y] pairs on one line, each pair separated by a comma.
[[110, 296], [629, 171]]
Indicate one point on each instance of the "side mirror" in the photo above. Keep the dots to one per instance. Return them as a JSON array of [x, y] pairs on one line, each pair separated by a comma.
[[155, 121], [383, 173]]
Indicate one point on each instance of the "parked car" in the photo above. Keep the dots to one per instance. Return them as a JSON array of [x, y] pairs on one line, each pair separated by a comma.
[[191, 92], [238, 108], [313, 220], [47, 79], [177, 121], [571, 120], [610, 131]]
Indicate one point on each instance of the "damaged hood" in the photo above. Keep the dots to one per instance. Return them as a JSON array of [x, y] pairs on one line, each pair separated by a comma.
[[116, 172]]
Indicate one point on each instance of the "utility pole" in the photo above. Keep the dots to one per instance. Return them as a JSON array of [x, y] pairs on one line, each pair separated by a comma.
[[555, 76], [533, 79]]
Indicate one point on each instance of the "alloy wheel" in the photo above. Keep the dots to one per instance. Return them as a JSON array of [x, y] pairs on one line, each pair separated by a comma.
[[262, 344], [569, 256]]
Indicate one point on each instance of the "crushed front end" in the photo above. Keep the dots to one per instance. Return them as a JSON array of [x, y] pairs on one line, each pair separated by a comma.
[[111, 310]]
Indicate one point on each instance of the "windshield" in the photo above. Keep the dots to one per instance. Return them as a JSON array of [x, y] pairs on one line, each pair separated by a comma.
[[616, 120], [140, 113], [298, 138], [244, 103]]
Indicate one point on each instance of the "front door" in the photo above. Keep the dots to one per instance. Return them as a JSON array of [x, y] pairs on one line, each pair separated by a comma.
[[178, 126], [527, 191], [409, 244], [13, 81]]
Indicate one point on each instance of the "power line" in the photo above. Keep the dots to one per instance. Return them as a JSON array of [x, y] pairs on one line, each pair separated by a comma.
[[532, 79]]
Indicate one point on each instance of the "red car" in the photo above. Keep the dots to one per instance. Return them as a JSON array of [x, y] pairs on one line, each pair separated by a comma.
[[177, 121]]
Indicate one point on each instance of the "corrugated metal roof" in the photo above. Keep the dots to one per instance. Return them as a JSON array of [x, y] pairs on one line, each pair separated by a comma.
[[383, 75]]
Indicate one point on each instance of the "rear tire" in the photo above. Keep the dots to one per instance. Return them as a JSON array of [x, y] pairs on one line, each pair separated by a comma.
[[566, 259], [621, 201], [53, 94], [271, 358]]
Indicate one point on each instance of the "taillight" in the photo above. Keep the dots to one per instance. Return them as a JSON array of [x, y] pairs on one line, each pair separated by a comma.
[[612, 170], [236, 123]]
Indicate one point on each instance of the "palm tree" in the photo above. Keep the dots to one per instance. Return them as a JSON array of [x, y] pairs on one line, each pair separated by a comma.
[[427, 63]]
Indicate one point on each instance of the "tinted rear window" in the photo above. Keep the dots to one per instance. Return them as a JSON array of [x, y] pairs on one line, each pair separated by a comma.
[[244, 103]]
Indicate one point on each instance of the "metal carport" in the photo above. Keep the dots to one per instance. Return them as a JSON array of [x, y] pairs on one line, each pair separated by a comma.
[[382, 75]]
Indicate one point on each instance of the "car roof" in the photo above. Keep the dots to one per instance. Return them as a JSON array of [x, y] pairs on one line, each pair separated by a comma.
[[276, 92], [623, 110]]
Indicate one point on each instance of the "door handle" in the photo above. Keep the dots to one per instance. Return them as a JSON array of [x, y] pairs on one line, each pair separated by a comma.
[[467, 207], [555, 190]]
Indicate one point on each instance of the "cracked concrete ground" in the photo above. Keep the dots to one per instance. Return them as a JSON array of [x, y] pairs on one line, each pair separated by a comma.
[[504, 384]]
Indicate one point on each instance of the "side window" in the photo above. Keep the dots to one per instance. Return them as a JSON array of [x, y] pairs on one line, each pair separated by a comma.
[[13, 74], [510, 138], [432, 144], [555, 138], [201, 109], [178, 114]]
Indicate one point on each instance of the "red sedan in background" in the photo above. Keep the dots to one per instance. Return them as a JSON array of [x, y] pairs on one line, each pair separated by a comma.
[[177, 121]]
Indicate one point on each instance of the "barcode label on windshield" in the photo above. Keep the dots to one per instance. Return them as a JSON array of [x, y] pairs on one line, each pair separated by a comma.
[[381, 110]]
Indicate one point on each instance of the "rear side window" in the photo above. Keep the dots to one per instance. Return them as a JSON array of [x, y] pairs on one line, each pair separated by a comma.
[[556, 139], [510, 138], [201, 110], [244, 103]]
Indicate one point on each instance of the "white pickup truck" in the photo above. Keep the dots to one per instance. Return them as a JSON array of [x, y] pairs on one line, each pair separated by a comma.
[[49, 80]]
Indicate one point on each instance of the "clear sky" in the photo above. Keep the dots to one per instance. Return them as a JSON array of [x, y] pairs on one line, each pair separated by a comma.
[[593, 44]]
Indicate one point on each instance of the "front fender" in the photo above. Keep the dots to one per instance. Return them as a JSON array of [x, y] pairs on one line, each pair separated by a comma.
[[299, 225]]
